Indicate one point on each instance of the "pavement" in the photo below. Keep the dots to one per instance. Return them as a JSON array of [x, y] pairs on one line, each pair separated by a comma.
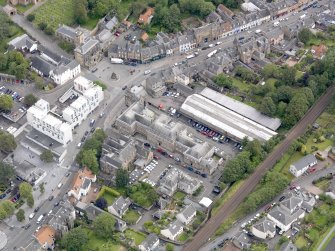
[[331, 244]]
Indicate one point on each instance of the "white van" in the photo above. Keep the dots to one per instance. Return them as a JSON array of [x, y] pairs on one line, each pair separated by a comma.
[[60, 185], [147, 72], [31, 215], [39, 219]]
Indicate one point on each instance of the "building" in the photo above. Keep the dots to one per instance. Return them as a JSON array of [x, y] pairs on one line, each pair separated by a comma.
[[319, 51], [186, 43], [90, 98], [155, 86], [70, 35], [23, 2], [150, 243], [242, 241], [82, 183], [264, 229], [118, 152], [46, 237], [302, 165], [176, 179], [288, 246], [41, 119], [252, 48], [287, 212], [228, 116], [174, 229], [89, 53], [41, 66], [23, 43], [275, 36], [65, 72], [119, 207], [146, 17], [187, 215]]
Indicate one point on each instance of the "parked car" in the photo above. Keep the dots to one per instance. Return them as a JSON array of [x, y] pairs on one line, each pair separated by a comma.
[[51, 198], [282, 198]]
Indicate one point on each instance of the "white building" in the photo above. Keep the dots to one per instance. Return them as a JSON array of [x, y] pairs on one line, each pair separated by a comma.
[[91, 97], [264, 229], [64, 73], [187, 215], [186, 43], [302, 165], [40, 118], [173, 230], [82, 183]]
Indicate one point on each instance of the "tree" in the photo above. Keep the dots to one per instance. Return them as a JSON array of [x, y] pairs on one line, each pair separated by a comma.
[[6, 173], [101, 203], [305, 35], [80, 12], [75, 239], [8, 207], [42, 26], [47, 156], [42, 189], [296, 109], [20, 215], [89, 159], [309, 95], [30, 201], [25, 189], [6, 102], [223, 80], [103, 226], [137, 8], [31, 17], [8, 143], [49, 30], [30, 99], [39, 83], [270, 71], [122, 178], [267, 106], [169, 247]]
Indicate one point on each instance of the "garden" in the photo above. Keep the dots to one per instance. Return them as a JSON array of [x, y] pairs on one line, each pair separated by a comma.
[[138, 237], [109, 194], [142, 194], [131, 216]]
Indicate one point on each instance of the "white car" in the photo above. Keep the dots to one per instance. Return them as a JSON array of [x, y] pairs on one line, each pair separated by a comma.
[[211, 45], [155, 162], [218, 43]]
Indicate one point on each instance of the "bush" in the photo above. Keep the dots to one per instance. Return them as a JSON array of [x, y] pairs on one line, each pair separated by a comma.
[[31, 17], [42, 26], [49, 30], [20, 215]]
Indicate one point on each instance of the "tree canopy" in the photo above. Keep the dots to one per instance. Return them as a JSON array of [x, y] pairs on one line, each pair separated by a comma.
[[6, 102], [25, 189], [8, 143], [30, 99], [122, 178], [47, 156], [6, 173], [104, 226], [75, 239]]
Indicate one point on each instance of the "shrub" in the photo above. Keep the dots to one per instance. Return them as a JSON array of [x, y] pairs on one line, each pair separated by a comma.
[[31, 17]]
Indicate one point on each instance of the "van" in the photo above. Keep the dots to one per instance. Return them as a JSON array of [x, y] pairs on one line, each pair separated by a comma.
[[147, 72], [39, 219], [79, 144], [60, 185], [92, 121], [31, 215]]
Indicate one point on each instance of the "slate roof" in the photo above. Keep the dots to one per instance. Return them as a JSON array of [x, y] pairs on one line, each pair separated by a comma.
[[21, 42], [150, 241], [283, 216], [291, 202], [288, 246], [55, 57], [41, 65], [111, 23], [265, 225], [304, 161], [86, 184], [121, 205], [188, 211], [175, 227], [87, 46], [67, 31]]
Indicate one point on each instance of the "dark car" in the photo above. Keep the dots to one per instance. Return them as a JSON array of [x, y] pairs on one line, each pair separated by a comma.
[[216, 190], [190, 168], [56, 204], [124, 87], [147, 144], [51, 198], [204, 175], [36, 209], [27, 226], [83, 139], [282, 198], [86, 133], [2, 196], [197, 172], [93, 129]]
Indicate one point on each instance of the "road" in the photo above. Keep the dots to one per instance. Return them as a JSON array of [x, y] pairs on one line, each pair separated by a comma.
[[231, 205], [330, 245]]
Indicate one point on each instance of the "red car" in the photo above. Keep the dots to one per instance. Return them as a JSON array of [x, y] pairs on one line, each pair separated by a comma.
[[159, 150], [156, 157], [311, 170]]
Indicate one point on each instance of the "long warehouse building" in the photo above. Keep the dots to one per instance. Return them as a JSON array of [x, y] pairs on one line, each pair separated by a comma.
[[224, 120]]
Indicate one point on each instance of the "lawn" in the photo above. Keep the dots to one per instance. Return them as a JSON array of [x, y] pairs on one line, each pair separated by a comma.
[[179, 196], [242, 86], [3, 2], [323, 184], [131, 216], [109, 194], [183, 237], [301, 242], [23, 8], [55, 12], [95, 243], [320, 145], [138, 237]]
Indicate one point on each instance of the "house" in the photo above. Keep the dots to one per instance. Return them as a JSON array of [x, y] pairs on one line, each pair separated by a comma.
[[144, 36], [146, 17], [89, 53], [252, 48], [41, 66], [70, 35], [264, 229], [23, 43], [150, 243], [213, 17], [242, 241], [287, 212], [302, 165], [174, 229], [23, 2], [82, 183], [119, 207], [46, 237], [186, 43], [187, 215], [275, 36], [319, 51], [112, 23], [65, 72], [288, 246], [155, 86]]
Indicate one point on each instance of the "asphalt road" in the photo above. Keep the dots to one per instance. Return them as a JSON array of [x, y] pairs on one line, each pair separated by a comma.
[[231, 205]]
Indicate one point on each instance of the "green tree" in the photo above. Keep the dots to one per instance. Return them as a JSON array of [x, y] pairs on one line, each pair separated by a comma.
[[270, 71], [75, 239], [25, 189], [122, 178], [42, 26], [47, 156], [137, 8], [6, 102], [6, 173], [309, 95], [8, 207], [305, 35], [42, 189], [8, 143], [223, 80], [20, 215], [103, 226], [39, 83], [80, 12], [296, 109], [49, 30], [30, 17], [267, 106], [169, 247], [30, 99], [328, 63], [30, 201], [89, 160]]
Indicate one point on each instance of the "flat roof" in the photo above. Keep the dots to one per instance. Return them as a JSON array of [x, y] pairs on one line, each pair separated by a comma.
[[242, 109], [223, 119]]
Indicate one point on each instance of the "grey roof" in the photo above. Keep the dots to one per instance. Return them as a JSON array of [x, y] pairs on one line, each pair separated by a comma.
[[243, 240], [242, 109], [121, 205], [284, 216], [291, 202], [265, 225], [55, 57], [87, 46], [86, 183], [188, 211], [274, 33], [175, 227], [21, 42], [111, 23], [150, 241], [67, 31], [288, 246], [304, 162], [41, 65]]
